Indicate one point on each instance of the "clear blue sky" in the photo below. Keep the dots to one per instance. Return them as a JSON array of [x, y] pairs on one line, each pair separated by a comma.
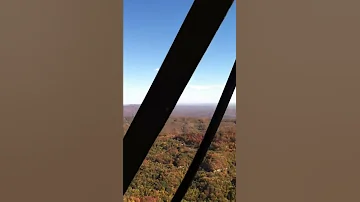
[[150, 27]]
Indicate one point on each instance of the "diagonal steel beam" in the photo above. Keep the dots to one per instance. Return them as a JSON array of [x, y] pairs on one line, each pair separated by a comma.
[[196, 33], [209, 136]]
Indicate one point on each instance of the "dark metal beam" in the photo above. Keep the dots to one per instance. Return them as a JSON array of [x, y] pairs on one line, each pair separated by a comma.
[[209, 136]]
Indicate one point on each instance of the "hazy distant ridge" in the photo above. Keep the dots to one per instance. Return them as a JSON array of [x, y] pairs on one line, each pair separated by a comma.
[[205, 110]]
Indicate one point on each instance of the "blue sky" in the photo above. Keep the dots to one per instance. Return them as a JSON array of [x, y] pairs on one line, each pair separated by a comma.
[[149, 30]]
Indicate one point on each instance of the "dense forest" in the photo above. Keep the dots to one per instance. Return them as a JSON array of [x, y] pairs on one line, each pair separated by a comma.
[[168, 160]]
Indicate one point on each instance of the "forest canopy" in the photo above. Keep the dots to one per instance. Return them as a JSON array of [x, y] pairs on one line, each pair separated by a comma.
[[169, 158]]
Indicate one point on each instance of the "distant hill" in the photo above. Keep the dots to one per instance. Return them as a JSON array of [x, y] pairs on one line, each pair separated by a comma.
[[195, 110]]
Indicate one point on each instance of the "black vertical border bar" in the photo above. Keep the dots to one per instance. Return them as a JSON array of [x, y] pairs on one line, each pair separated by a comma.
[[195, 35], [209, 135]]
